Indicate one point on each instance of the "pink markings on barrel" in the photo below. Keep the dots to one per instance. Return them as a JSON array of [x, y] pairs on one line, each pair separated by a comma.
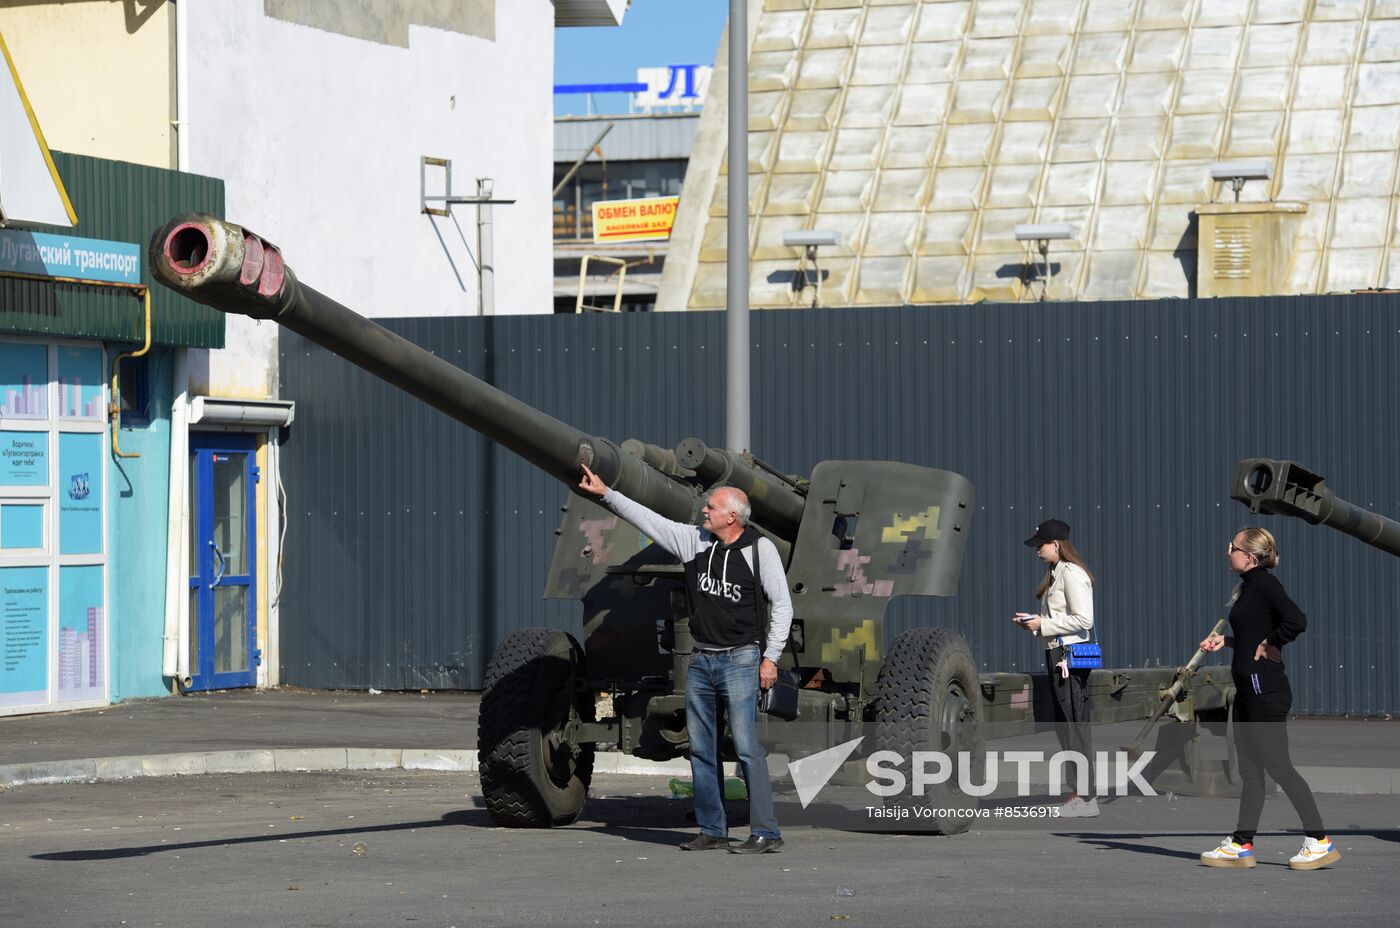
[[187, 248], [252, 260], [274, 271]]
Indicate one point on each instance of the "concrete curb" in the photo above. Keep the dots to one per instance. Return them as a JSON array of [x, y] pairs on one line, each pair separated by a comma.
[[59, 771], [287, 760], [1344, 781], [1356, 781]]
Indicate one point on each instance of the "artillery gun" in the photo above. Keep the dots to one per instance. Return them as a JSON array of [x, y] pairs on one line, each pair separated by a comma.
[[1287, 488], [853, 535]]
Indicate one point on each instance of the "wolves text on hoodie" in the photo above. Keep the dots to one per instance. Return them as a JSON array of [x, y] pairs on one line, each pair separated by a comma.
[[719, 579]]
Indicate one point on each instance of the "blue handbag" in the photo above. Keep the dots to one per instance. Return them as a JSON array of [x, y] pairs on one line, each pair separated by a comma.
[[1084, 656]]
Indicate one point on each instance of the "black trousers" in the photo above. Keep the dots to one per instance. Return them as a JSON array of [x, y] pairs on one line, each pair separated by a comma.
[[1261, 742], [1072, 710]]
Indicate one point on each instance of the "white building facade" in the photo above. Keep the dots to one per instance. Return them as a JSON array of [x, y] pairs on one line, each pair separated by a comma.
[[327, 124]]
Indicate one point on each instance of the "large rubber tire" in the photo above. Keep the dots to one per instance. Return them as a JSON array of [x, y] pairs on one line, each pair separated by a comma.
[[530, 775], [929, 699]]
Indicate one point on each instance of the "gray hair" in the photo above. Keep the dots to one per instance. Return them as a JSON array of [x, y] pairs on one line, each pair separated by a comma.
[[738, 503]]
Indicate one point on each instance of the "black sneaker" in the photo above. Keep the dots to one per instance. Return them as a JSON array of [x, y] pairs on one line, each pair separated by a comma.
[[704, 842], [757, 844]]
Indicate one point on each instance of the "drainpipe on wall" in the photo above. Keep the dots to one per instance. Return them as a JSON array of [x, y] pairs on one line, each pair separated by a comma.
[[182, 83], [175, 652], [485, 251], [175, 646]]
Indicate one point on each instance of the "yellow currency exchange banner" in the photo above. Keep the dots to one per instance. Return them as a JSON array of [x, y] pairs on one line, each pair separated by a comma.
[[634, 220]]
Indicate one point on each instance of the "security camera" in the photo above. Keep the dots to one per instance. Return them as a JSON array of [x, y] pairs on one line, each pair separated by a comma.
[[1242, 170], [1042, 234], [1043, 231], [1237, 172], [812, 238]]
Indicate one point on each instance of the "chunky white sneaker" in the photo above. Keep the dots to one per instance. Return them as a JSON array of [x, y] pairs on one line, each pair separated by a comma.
[[1315, 854], [1230, 854], [1080, 808]]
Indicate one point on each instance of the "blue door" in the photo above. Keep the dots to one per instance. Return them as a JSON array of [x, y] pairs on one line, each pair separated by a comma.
[[223, 558]]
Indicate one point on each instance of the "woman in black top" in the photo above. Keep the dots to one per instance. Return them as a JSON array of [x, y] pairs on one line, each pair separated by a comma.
[[1263, 620]]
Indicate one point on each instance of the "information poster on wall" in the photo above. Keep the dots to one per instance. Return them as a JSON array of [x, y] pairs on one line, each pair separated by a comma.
[[81, 628], [80, 493], [24, 635], [24, 381], [80, 382], [24, 459]]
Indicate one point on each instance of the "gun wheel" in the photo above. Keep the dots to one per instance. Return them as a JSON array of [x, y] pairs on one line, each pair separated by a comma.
[[929, 701], [532, 774]]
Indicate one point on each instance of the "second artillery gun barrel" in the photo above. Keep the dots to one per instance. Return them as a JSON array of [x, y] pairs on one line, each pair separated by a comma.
[[1287, 488], [224, 266]]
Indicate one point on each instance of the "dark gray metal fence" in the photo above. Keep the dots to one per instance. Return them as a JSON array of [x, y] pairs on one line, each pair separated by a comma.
[[414, 546]]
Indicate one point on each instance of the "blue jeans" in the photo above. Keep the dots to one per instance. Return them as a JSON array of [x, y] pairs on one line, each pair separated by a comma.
[[718, 684]]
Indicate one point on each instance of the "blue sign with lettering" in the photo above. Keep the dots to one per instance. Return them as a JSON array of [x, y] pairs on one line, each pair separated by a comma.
[[37, 254], [671, 85]]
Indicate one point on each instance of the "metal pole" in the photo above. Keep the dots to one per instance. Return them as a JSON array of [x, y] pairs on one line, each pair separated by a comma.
[[485, 251], [582, 158], [736, 420], [1045, 258]]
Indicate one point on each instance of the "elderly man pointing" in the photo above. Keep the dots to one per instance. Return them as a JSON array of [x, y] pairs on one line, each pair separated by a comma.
[[725, 560]]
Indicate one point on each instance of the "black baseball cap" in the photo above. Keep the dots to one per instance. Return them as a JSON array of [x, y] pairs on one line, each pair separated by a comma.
[[1049, 530]]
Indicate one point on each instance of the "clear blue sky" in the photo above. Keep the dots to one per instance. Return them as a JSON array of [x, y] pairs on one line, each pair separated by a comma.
[[653, 33]]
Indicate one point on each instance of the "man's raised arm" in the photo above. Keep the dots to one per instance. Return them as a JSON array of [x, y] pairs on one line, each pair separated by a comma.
[[678, 538]]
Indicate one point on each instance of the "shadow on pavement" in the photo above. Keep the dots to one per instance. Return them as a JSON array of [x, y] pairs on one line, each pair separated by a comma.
[[464, 818], [647, 814], [1121, 841], [651, 819], [1110, 844]]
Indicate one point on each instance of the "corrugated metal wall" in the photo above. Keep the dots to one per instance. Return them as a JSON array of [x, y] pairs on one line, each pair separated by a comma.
[[413, 546], [121, 202], [632, 138]]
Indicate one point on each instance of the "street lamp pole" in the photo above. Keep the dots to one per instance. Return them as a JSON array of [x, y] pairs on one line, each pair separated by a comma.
[[737, 406]]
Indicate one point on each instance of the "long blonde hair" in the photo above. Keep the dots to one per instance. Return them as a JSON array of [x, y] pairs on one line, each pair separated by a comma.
[[1067, 553]]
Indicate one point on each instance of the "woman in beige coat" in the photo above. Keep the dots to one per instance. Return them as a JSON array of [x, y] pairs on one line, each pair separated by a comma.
[[1067, 604]]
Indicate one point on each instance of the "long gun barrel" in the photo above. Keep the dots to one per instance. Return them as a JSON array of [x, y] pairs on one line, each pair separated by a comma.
[[776, 499], [232, 270], [1289, 489]]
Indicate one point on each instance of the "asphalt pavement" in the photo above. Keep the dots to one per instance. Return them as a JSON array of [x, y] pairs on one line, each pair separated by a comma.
[[264, 731], [315, 808], [415, 848]]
